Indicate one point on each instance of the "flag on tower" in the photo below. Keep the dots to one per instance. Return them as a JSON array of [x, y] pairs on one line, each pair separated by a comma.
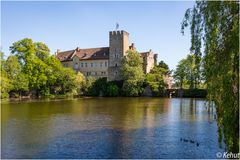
[[117, 26]]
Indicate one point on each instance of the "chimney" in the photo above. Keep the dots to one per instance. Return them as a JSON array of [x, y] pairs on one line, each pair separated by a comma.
[[77, 49], [133, 46]]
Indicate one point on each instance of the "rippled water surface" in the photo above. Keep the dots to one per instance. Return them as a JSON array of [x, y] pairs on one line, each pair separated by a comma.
[[109, 128]]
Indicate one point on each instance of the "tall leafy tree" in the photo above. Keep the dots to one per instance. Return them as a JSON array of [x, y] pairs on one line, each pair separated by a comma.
[[132, 73], [5, 86], [187, 73], [155, 79], [43, 72], [18, 79], [216, 24], [180, 75], [162, 64]]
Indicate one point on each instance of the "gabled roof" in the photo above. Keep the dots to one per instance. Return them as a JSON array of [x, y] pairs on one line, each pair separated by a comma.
[[65, 56], [84, 54]]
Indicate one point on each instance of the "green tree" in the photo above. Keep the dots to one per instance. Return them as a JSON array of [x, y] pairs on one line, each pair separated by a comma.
[[112, 90], [216, 24], [23, 49], [44, 73], [41, 50], [162, 64], [20, 83], [155, 79], [80, 82], [5, 86], [187, 73], [193, 71], [67, 80], [132, 73], [18, 80], [180, 73], [89, 86]]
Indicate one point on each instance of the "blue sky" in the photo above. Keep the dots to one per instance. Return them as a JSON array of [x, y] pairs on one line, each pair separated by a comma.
[[66, 25]]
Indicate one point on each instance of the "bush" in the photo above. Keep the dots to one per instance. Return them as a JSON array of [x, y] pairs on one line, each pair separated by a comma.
[[4, 95], [132, 88], [112, 90], [94, 87]]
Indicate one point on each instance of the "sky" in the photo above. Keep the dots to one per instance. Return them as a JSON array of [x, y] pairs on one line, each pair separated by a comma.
[[66, 25]]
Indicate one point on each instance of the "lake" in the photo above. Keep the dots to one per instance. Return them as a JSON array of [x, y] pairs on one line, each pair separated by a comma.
[[109, 128]]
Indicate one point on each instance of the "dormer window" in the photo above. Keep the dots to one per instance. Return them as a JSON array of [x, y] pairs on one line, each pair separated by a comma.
[[104, 54]]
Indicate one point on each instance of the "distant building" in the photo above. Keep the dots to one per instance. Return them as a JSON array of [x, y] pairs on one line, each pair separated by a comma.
[[168, 79], [105, 61]]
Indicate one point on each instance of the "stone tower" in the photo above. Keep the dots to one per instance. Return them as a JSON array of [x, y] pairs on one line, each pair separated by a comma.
[[118, 45]]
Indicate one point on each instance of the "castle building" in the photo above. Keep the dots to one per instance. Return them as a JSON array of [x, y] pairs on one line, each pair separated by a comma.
[[105, 61]]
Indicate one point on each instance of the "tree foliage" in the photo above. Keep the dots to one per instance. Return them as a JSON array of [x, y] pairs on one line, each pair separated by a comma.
[[132, 73], [155, 79], [112, 90], [31, 67], [215, 27], [188, 73], [162, 64]]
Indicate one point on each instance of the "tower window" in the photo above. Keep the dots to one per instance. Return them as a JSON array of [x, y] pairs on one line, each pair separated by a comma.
[[116, 65]]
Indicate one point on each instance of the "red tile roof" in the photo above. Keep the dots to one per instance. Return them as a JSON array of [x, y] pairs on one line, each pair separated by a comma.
[[84, 54]]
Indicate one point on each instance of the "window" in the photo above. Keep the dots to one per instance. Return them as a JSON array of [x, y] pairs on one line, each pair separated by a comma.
[[91, 64], [116, 73], [116, 65], [106, 64], [82, 65], [88, 73], [85, 64], [75, 65], [95, 73], [101, 63]]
